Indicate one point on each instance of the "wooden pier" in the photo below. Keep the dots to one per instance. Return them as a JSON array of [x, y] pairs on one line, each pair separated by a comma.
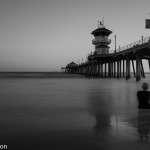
[[103, 64], [118, 64]]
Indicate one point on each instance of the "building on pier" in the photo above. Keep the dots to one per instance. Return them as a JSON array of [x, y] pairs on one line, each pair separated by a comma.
[[101, 40], [72, 67]]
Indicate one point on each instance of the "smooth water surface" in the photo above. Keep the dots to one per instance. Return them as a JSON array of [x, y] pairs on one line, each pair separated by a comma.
[[69, 113]]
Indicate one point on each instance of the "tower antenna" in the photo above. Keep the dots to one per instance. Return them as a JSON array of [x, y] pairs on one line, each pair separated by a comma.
[[103, 23], [98, 24]]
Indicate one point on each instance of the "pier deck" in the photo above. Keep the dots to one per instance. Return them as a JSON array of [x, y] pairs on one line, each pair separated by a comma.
[[117, 64]]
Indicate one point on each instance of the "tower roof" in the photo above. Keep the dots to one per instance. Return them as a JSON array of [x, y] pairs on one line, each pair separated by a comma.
[[72, 64], [101, 31]]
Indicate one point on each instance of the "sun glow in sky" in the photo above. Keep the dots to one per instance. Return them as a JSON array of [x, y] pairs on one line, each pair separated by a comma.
[[45, 35]]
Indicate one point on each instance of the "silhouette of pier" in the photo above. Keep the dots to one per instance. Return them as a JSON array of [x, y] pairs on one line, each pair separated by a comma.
[[118, 64]]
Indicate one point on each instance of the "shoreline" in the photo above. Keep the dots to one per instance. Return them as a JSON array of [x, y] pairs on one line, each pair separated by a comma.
[[42, 75], [39, 75]]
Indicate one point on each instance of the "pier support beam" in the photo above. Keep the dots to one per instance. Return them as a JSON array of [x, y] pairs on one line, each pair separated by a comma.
[[87, 71], [112, 73], [149, 63], [105, 70], [133, 68], [127, 68], [98, 71], [118, 68], [114, 69], [142, 69], [109, 69], [138, 70], [101, 70], [91, 70], [95, 69], [123, 68]]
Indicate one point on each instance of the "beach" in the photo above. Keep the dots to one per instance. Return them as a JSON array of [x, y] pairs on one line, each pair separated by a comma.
[[61, 111]]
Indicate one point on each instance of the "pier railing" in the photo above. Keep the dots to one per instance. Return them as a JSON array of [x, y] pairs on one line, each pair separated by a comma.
[[137, 43]]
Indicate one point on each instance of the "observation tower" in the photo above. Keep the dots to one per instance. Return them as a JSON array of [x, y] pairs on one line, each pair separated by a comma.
[[101, 40]]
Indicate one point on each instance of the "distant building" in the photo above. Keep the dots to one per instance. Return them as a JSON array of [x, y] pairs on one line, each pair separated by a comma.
[[72, 67]]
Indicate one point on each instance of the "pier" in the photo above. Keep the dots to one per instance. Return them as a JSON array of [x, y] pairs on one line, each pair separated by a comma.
[[118, 64]]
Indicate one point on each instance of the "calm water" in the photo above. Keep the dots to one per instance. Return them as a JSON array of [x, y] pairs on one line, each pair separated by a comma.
[[69, 113]]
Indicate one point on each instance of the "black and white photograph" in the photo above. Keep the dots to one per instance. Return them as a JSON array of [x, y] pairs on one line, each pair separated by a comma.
[[74, 74]]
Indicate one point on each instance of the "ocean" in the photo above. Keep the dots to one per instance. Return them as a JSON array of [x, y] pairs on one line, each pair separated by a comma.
[[58, 111]]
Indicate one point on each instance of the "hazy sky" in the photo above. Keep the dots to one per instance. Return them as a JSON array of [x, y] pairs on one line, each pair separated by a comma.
[[44, 35]]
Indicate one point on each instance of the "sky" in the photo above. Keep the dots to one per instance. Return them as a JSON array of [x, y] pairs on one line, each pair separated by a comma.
[[45, 35]]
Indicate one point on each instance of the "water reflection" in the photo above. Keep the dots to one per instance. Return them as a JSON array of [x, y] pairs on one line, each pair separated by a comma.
[[115, 112], [100, 108], [144, 123]]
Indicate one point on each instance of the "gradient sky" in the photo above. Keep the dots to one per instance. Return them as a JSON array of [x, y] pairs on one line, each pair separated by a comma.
[[45, 35]]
